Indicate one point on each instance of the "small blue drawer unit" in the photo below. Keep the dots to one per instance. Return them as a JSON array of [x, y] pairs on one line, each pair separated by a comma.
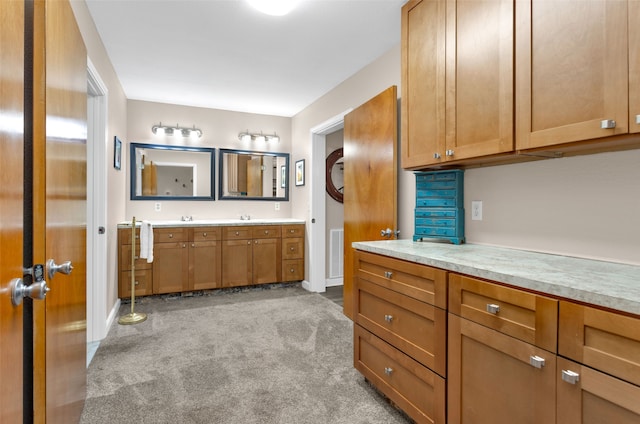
[[439, 206]]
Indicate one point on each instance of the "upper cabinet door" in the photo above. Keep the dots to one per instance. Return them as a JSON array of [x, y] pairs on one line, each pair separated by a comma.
[[572, 71], [423, 83], [479, 78], [634, 66]]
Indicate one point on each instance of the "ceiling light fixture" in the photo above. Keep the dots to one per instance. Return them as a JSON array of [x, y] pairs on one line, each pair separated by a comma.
[[246, 136], [274, 7], [169, 130]]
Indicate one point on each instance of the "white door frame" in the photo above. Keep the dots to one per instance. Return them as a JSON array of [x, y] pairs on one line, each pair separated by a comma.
[[96, 205], [317, 243]]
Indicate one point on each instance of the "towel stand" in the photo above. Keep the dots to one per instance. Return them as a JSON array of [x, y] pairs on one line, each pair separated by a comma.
[[132, 317]]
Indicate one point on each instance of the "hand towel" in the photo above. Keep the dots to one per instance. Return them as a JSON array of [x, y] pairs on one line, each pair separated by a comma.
[[146, 241]]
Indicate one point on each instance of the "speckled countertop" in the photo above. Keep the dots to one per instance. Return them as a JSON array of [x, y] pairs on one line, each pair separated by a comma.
[[607, 284], [217, 222]]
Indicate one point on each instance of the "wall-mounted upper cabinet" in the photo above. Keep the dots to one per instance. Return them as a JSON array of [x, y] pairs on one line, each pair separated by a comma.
[[572, 82], [457, 80]]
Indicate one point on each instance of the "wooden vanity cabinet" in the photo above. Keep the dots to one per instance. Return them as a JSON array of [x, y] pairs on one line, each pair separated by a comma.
[[251, 255], [457, 86], [501, 359], [400, 333]]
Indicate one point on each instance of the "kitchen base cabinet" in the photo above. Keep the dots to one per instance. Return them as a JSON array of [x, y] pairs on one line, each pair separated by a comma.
[[587, 396], [496, 379], [170, 267], [251, 255], [205, 256]]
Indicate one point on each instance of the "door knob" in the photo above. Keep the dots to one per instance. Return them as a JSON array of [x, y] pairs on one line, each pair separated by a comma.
[[64, 268], [19, 290]]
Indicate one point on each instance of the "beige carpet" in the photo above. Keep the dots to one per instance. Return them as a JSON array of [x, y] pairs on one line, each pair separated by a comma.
[[277, 355]]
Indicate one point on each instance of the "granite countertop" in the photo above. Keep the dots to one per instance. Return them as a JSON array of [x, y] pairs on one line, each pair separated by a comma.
[[216, 222], [607, 284]]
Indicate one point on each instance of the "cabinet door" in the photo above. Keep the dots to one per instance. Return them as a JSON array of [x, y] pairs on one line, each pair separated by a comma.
[[205, 265], [479, 78], [572, 72], [634, 66], [586, 396], [237, 263], [491, 379], [423, 83], [170, 267], [267, 261]]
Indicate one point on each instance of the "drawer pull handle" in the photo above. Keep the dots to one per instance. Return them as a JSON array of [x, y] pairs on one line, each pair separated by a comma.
[[492, 308], [536, 361], [292, 231], [607, 124], [292, 249], [388, 274], [193, 245], [388, 318], [136, 283], [388, 371], [570, 376], [292, 270], [266, 231], [136, 257], [237, 233], [170, 235], [204, 234]]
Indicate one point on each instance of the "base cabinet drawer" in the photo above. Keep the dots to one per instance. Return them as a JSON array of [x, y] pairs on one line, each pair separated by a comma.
[[143, 283], [416, 328], [588, 396], [293, 270], [418, 391]]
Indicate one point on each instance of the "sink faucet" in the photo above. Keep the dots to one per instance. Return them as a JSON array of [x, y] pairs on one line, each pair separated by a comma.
[[245, 217], [186, 218]]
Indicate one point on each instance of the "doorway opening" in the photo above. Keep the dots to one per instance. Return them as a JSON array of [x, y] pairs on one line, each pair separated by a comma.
[[318, 233]]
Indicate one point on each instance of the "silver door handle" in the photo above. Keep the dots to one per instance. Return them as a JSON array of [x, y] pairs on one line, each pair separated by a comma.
[[607, 124], [536, 361], [64, 268], [570, 377], [492, 308], [19, 290], [386, 233]]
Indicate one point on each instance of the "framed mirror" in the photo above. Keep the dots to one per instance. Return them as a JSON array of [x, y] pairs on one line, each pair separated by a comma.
[[335, 175], [249, 175], [160, 172]]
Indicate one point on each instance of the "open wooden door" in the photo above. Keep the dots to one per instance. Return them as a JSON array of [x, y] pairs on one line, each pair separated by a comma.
[[370, 177], [59, 204], [11, 206]]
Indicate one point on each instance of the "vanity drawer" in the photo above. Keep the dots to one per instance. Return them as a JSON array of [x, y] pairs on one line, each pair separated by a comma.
[[420, 282], [293, 270], [125, 258], [414, 388], [603, 340], [296, 230], [236, 233], [266, 231], [206, 233], [166, 235], [143, 283], [125, 235], [414, 327], [292, 248], [526, 316]]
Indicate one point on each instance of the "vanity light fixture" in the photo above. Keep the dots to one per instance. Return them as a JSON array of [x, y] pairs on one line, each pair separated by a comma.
[[259, 137], [170, 129]]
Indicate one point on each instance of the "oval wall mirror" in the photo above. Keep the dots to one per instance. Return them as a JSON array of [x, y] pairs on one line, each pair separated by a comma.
[[335, 175]]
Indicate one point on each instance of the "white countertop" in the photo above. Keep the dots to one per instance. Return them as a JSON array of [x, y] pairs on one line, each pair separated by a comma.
[[606, 284], [216, 222]]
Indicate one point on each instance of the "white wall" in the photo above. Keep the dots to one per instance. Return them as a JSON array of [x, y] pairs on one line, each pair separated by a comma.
[[220, 129]]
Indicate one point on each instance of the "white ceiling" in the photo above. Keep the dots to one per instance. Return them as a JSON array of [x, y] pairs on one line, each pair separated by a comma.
[[223, 54]]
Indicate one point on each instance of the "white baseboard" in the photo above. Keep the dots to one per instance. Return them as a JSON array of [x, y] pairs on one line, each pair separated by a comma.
[[306, 285], [112, 316], [331, 282]]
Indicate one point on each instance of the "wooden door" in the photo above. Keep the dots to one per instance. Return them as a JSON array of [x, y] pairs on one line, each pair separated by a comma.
[[423, 83], [572, 72], [170, 267], [11, 205], [205, 265], [479, 78], [237, 264], [595, 397], [634, 66], [59, 211], [370, 176], [254, 177], [267, 260], [486, 367]]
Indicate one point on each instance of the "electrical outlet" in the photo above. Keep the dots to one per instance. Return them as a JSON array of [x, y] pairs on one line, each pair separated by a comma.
[[158, 207], [476, 210], [277, 206]]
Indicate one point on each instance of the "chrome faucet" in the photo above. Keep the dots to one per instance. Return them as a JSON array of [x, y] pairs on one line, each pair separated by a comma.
[[186, 218]]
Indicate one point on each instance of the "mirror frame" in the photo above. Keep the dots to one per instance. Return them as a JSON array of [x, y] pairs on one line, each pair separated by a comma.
[[221, 152], [132, 167]]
